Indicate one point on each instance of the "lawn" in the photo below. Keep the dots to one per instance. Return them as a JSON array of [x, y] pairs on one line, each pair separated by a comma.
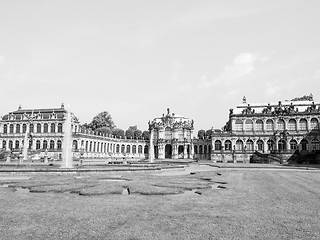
[[256, 204]]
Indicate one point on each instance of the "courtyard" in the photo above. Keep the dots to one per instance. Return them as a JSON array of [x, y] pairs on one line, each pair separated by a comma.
[[198, 202]]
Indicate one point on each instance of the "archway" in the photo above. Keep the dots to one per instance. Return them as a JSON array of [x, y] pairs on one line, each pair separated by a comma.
[[180, 151], [168, 151]]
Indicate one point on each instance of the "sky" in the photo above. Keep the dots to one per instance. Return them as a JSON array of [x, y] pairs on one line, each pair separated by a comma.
[[135, 59]]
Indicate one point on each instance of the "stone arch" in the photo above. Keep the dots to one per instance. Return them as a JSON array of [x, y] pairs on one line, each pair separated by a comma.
[[38, 128], [45, 144], [249, 145], [217, 145], [228, 145], [59, 144], [45, 128], [314, 123], [303, 124], [304, 144], [38, 144], [260, 145], [18, 128], [53, 127], [281, 125], [282, 145], [259, 125], [139, 149], [195, 149], [249, 125], [238, 125], [293, 144], [239, 145], [271, 145], [292, 125], [128, 149], [51, 146], [134, 149], [269, 125]]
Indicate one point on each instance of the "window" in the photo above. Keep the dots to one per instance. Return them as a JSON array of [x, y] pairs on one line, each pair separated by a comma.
[[38, 144], [139, 149], [16, 144], [11, 128], [51, 144], [146, 149], [134, 149], [200, 149], [259, 125], [10, 145], [122, 148], [249, 145], [205, 149], [31, 128], [293, 144], [52, 128], [128, 149], [249, 125], [282, 144], [281, 125], [60, 128], [303, 125], [304, 144], [217, 145], [90, 146], [314, 123], [238, 125], [269, 125], [260, 145], [5, 128], [45, 128], [38, 128], [227, 145], [271, 145], [24, 128], [18, 128], [59, 143], [239, 145], [118, 148], [4, 144], [196, 149], [45, 144], [292, 126], [75, 144], [168, 133]]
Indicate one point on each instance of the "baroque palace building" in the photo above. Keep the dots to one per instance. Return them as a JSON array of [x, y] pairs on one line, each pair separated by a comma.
[[286, 130]]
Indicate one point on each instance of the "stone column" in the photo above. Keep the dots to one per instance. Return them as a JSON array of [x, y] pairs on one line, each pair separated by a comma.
[[185, 151], [151, 147]]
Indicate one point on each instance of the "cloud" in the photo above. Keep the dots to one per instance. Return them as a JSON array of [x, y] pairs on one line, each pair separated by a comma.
[[176, 70]]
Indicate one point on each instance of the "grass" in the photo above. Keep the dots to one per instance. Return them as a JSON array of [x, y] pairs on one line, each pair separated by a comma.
[[256, 204]]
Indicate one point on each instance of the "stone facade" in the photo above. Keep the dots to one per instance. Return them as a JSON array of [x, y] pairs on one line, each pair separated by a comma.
[[285, 128]]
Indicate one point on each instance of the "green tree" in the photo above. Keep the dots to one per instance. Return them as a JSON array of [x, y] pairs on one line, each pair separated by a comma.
[[129, 133], [119, 133], [138, 134], [101, 120], [209, 133], [146, 135], [104, 130]]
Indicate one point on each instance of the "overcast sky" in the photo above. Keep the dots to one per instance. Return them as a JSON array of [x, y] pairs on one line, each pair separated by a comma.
[[136, 58]]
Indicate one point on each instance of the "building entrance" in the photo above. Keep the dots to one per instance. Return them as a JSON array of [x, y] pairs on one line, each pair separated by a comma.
[[168, 151]]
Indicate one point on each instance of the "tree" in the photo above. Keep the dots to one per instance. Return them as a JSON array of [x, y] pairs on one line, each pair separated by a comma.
[[138, 134], [104, 130], [201, 134], [146, 135], [103, 119], [129, 133], [119, 133]]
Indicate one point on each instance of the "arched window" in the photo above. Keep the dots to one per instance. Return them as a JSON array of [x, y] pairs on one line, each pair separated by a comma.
[[86, 147], [134, 149], [249, 125], [200, 149], [304, 144], [146, 149], [24, 128], [239, 145], [315, 144], [31, 128], [293, 144], [45, 144], [94, 146], [128, 149], [59, 144], [118, 148], [269, 125], [38, 146], [75, 144], [90, 146], [249, 145], [108, 147], [45, 127], [205, 149], [260, 145], [122, 148], [314, 124], [227, 145], [10, 144], [139, 149], [4, 144], [51, 144], [5, 128], [292, 125], [52, 128], [59, 127], [303, 125], [196, 149], [98, 147], [271, 145], [217, 145], [38, 128], [238, 125], [281, 125], [259, 125], [16, 144], [168, 133], [282, 144], [30, 144], [18, 128], [11, 128]]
